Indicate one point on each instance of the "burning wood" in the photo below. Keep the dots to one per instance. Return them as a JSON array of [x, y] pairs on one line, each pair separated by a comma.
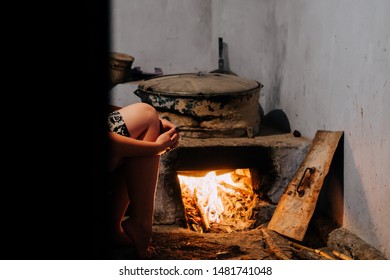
[[225, 202], [192, 217], [204, 219]]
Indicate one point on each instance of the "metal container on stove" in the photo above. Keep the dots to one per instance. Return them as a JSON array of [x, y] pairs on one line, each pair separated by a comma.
[[205, 104], [120, 67]]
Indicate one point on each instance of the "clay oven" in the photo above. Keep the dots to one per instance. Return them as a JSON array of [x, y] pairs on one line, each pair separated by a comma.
[[219, 118]]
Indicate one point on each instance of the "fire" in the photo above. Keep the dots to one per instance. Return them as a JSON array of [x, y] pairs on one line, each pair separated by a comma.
[[226, 199]]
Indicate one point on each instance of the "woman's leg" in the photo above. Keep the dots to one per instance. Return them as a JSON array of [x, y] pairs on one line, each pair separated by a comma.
[[142, 179], [136, 181], [119, 201]]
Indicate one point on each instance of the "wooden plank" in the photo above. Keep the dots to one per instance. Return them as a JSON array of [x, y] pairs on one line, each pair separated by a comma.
[[297, 204]]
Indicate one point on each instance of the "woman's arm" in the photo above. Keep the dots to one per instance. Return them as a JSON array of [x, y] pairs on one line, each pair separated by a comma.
[[126, 146]]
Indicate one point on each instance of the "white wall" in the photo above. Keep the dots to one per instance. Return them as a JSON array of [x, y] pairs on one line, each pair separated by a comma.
[[326, 64], [336, 76], [173, 35]]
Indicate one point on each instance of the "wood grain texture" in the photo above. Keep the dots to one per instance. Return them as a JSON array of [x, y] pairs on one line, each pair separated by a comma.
[[297, 204]]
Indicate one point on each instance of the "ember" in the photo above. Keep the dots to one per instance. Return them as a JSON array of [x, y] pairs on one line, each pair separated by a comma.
[[221, 200]]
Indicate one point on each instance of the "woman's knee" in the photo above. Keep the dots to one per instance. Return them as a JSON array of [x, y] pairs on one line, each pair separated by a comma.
[[139, 111], [149, 112], [142, 120]]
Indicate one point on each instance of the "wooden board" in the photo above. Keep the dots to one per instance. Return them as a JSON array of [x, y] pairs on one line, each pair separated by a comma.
[[298, 202]]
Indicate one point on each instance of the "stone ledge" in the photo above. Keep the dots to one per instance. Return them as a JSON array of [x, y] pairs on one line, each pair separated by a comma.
[[276, 141]]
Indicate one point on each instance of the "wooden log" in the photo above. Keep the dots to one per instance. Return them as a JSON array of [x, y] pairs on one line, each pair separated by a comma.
[[349, 244], [297, 204]]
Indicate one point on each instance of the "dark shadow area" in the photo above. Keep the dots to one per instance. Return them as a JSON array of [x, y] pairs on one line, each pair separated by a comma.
[[54, 201], [275, 122], [329, 211], [277, 119], [331, 199]]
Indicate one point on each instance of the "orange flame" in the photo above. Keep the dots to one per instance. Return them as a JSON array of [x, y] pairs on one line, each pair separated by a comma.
[[206, 190]]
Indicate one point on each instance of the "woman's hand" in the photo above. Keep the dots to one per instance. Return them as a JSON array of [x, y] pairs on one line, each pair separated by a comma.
[[168, 139], [166, 125]]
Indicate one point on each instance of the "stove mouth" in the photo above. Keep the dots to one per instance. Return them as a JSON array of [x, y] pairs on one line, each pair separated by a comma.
[[219, 200], [198, 157]]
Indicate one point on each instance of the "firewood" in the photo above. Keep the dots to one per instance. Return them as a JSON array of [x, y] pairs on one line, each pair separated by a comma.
[[238, 202], [192, 221], [317, 251], [240, 188], [272, 246], [341, 255], [324, 254], [203, 217], [197, 228]]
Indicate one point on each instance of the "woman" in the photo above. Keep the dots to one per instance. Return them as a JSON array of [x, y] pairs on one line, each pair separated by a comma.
[[138, 138]]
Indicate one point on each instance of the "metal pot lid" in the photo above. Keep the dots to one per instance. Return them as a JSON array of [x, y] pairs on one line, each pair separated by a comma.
[[198, 84]]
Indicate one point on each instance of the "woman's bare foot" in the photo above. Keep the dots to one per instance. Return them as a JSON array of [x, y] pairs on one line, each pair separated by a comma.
[[122, 239], [140, 238], [119, 238]]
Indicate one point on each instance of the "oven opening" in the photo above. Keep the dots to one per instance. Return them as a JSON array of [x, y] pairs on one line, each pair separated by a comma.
[[222, 200]]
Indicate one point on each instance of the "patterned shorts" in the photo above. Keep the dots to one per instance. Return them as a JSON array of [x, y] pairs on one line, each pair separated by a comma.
[[116, 124]]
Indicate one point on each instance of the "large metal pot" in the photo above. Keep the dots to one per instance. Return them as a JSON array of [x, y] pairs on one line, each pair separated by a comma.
[[205, 104]]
